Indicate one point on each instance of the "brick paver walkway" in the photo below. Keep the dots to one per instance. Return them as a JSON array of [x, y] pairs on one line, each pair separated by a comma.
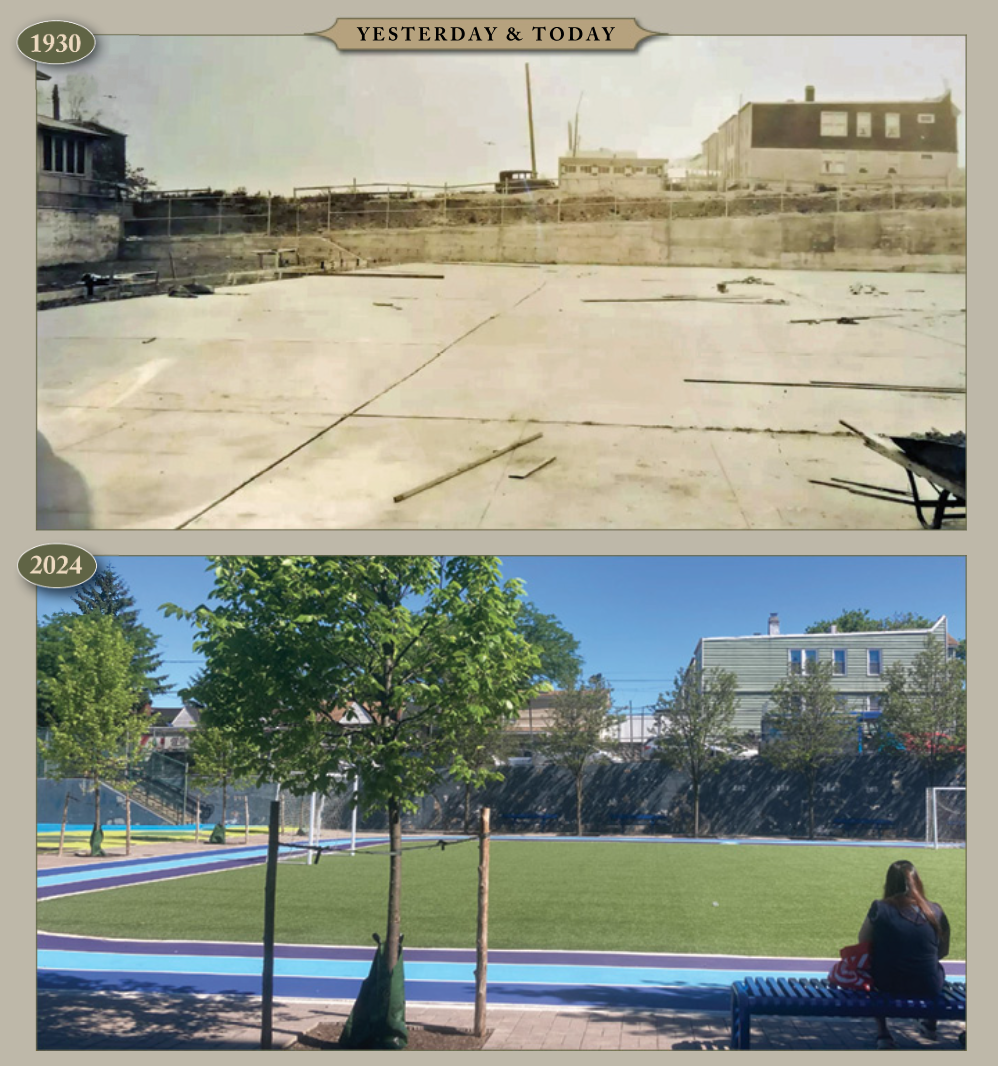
[[84, 1021]]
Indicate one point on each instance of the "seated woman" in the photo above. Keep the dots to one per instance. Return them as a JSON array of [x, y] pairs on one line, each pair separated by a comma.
[[909, 935]]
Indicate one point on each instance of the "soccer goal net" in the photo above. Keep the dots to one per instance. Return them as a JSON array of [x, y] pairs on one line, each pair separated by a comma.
[[945, 816]]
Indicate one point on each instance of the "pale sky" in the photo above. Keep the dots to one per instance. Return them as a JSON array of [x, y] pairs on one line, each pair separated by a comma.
[[270, 113]]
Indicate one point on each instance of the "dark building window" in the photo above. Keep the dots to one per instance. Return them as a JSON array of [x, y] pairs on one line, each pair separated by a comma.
[[64, 155]]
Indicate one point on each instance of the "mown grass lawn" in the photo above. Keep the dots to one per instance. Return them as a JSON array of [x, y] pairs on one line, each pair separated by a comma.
[[714, 899]]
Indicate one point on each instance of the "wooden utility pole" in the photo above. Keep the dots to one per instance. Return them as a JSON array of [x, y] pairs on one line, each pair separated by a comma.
[[530, 121], [482, 941], [65, 816]]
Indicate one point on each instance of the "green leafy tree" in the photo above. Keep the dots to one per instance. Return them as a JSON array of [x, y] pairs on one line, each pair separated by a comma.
[[94, 727], [478, 751], [811, 729], [51, 647], [580, 721], [859, 620], [107, 594], [220, 757], [925, 706], [427, 646], [695, 723], [560, 662]]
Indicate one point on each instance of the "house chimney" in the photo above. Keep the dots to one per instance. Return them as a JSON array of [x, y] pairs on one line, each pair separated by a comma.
[[809, 94], [834, 628], [55, 101], [774, 625]]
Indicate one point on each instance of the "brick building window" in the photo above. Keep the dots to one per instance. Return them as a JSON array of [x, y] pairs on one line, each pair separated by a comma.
[[892, 124], [834, 123], [864, 124], [926, 118]]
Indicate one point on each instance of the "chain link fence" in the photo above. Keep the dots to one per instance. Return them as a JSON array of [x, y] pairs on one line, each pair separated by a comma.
[[204, 213]]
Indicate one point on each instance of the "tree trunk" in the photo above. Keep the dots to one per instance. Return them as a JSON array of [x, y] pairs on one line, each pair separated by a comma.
[[223, 805], [467, 807], [810, 806], [394, 882], [97, 801], [696, 808], [128, 823], [578, 805]]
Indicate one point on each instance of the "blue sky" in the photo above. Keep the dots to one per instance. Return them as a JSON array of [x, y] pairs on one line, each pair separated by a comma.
[[637, 618]]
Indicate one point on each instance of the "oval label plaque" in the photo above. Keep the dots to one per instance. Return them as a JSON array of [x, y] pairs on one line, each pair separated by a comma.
[[57, 566], [55, 41]]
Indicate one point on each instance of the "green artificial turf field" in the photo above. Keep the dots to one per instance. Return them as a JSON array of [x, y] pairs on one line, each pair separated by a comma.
[[713, 899]]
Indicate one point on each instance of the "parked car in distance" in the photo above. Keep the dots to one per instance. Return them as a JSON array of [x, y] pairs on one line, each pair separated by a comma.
[[522, 181]]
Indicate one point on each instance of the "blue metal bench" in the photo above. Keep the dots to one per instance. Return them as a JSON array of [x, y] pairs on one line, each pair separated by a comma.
[[814, 998]]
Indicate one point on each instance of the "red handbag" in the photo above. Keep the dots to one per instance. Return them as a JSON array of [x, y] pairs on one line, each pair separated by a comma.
[[853, 968]]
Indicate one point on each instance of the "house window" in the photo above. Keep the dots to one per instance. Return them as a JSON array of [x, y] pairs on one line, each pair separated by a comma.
[[618, 170], [834, 123], [833, 162], [926, 118], [864, 124], [874, 662], [604, 170], [799, 660], [892, 124], [873, 705], [63, 155], [839, 662]]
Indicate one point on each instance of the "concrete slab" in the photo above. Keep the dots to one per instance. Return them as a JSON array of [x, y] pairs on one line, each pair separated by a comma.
[[310, 403]]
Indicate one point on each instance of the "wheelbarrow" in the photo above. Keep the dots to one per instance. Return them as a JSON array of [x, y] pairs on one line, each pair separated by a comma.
[[942, 463]]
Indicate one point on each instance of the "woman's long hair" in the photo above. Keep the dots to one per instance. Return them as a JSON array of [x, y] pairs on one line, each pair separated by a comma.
[[903, 889]]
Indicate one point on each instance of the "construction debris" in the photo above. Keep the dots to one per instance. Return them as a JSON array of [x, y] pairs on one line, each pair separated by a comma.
[[722, 286], [359, 274], [859, 289], [948, 390], [680, 299], [520, 475], [192, 290], [464, 469], [842, 320]]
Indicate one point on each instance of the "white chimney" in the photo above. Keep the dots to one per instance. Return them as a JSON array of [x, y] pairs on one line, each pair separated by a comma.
[[774, 625], [834, 628]]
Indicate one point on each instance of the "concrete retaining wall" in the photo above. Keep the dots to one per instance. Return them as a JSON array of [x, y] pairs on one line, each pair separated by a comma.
[[76, 236], [932, 241]]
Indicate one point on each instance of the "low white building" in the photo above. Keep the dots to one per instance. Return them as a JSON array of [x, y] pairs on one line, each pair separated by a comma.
[[621, 173]]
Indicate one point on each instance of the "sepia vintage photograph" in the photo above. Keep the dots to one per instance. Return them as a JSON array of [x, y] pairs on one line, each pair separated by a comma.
[[714, 283]]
